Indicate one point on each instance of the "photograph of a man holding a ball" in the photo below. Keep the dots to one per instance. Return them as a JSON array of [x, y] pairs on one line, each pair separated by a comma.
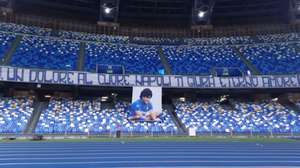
[[142, 109]]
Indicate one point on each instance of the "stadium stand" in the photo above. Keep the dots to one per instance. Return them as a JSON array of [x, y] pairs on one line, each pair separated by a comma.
[[48, 53], [277, 38], [257, 117], [157, 41], [193, 60], [135, 59], [221, 41], [93, 37], [14, 114], [18, 28], [279, 58], [66, 116]]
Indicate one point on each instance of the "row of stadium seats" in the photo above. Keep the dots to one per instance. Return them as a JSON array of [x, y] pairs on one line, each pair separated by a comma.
[[17, 28], [93, 37], [275, 38], [87, 116], [221, 41], [14, 114], [257, 117]]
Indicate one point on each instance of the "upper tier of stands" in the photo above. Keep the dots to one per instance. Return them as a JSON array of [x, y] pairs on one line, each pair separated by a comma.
[[16, 28], [193, 60], [48, 53], [134, 59], [46, 48], [93, 37], [278, 58]]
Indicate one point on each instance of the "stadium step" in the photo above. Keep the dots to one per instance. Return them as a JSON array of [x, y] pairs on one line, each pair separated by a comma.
[[81, 59], [34, 119], [287, 103], [164, 61], [251, 67], [176, 120], [8, 55], [296, 47]]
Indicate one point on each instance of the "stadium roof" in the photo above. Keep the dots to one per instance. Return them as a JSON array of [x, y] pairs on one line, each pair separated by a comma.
[[173, 12]]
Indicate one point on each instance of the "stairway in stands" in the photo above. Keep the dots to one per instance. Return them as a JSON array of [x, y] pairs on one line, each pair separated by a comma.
[[10, 52], [286, 102], [296, 47], [81, 58], [39, 107], [248, 63], [171, 109], [164, 61]]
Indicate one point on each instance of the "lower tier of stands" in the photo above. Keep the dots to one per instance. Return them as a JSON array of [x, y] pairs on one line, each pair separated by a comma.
[[246, 117], [90, 116], [87, 116], [15, 114]]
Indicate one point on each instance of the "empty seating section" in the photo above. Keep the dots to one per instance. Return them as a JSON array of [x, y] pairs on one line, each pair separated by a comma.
[[280, 58], [220, 41], [260, 117], [135, 59], [48, 53], [87, 116], [93, 37], [193, 60], [6, 41], [157, 41], [270, 54], [16, 28], [14, 114], [277, 38]]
